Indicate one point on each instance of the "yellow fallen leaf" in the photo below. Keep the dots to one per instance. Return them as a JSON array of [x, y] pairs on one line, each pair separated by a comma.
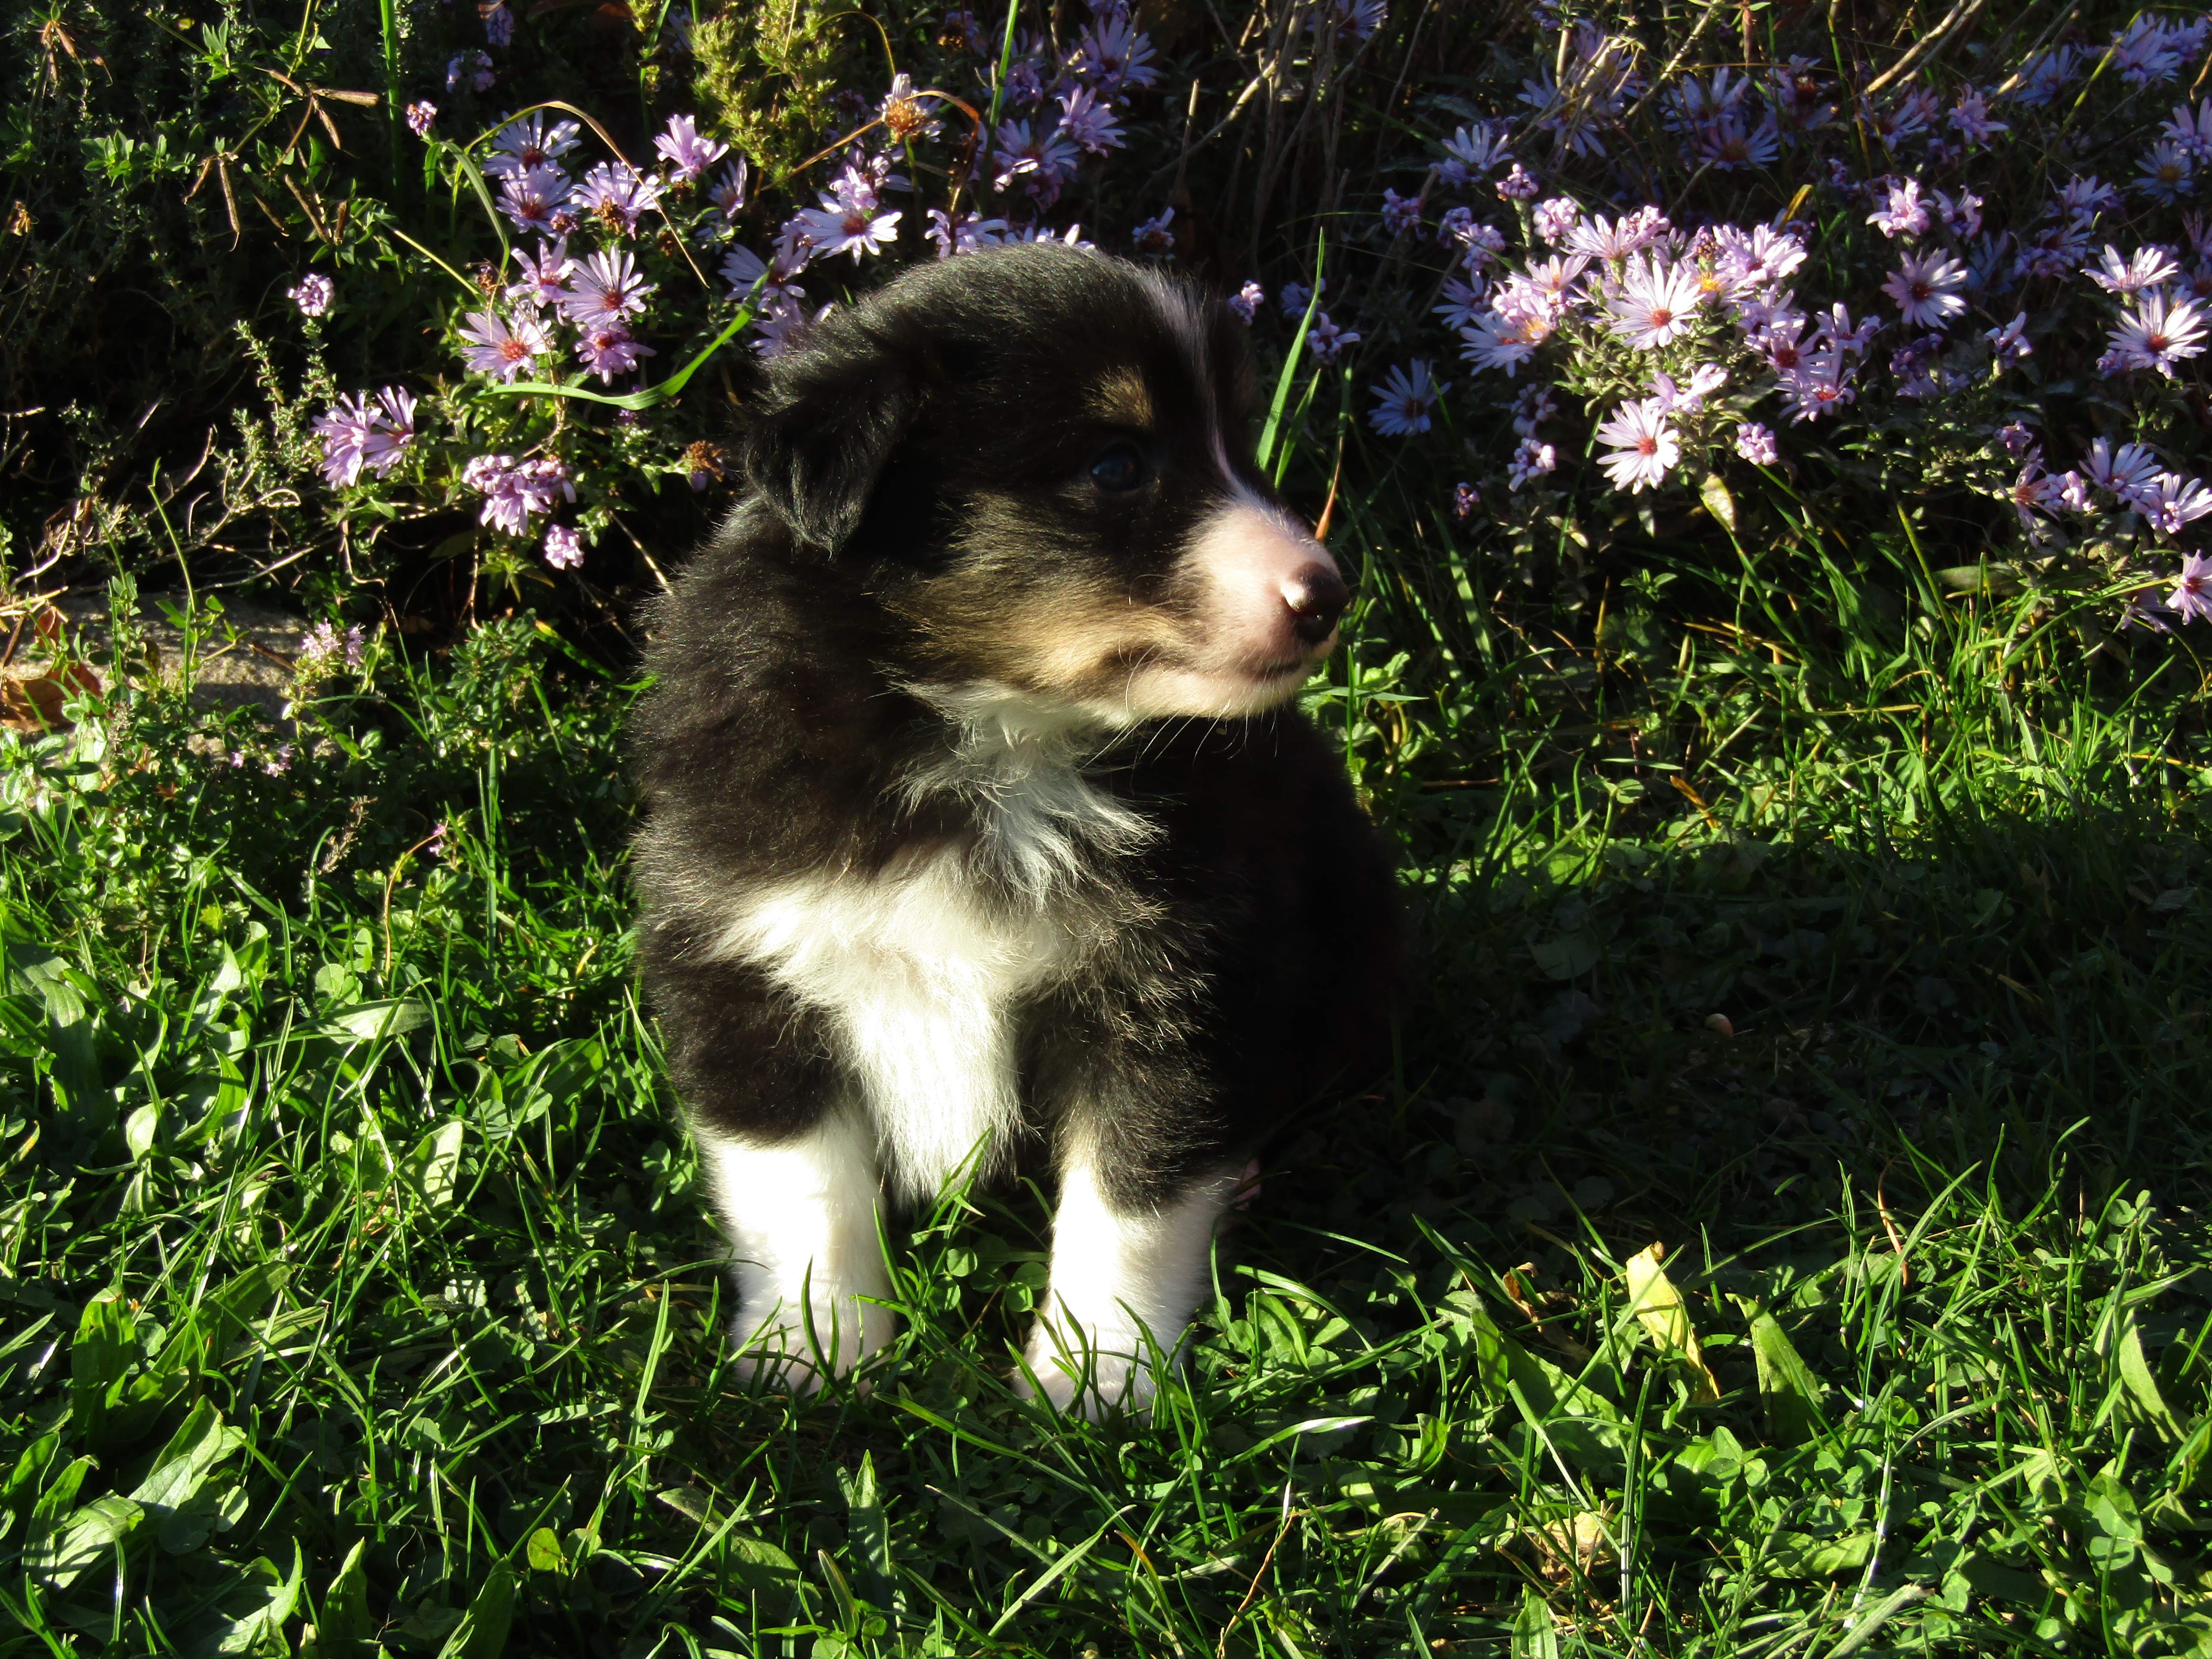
[[1564, 1550], [1659, 1309]]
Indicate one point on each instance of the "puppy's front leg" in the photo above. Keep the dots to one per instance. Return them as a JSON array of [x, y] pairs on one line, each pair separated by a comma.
[[1126, 1273], [801, 1217]]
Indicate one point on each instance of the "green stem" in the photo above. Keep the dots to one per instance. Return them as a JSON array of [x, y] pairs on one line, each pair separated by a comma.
[[648, 397]]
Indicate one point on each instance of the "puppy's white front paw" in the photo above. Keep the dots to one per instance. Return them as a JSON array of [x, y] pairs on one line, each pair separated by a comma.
[[1084, 1372], [783, 1337], [1125, 1278]]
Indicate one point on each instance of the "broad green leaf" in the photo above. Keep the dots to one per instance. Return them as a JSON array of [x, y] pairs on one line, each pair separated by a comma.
[[543, 1552], [433, 1166], [106, 1340], [756, 1570], [71, 1041], [21, 1490], [2142, 1383], [200, 1442], [2111, 1508], [88, 1538], [52, 1506], [1801, 1555], [1659, 1309], [481, 1633], [868, 1529], [1566, 959], [204, 1337], [1582, 1423], [250, 1615], [1534, 1635], [1788, 1389], [365, 1021], [343, 1629]]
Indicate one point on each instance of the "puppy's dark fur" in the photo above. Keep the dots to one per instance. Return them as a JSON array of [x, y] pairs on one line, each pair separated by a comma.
[[974, 815]]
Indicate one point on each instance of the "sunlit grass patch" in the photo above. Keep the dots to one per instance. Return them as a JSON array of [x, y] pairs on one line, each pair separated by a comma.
[[356, 1278]]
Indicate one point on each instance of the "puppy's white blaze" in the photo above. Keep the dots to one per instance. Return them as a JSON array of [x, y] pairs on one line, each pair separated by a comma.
[[917, 977], [1117, 1278], [1016, 759], [1247, 656], [917, 968], [801, 1220]]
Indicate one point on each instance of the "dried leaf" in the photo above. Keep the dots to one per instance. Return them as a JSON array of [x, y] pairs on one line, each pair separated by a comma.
[[1660, 1310], [1569, 1548]]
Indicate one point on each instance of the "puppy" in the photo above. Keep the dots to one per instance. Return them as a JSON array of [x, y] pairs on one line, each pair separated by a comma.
[[974, 819]]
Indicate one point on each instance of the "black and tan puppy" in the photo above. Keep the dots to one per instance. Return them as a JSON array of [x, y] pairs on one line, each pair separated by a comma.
[[975, 817]]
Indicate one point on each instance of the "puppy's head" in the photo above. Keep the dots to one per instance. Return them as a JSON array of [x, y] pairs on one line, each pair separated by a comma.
[[1038, 460]]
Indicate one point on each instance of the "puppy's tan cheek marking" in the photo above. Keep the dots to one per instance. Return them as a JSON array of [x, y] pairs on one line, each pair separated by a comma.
[[1079, 652], [1121, 397], [1061, 642]]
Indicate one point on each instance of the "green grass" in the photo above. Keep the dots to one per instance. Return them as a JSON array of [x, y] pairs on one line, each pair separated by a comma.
[[356, 1276]]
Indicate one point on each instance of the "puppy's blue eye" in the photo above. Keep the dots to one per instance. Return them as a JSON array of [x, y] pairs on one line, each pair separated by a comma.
[[1119, 470]]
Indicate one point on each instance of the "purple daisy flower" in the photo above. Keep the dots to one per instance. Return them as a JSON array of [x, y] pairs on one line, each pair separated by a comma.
[[1327, 340], [2159, 330], [1042, 160], [314, 294], [606, 288], [1089, 123], [356, 435], [2192, 591], [1532, 458], [564, 548], [1402, 402], [607, 348], [530, 198], [472, 67], [1755, 443], [1556, 219], [1113, 55], [522, 146], [1518, 185], [615, 194], [514, 494], [344, 430], [1153, 239], [502, 349], [689, 155], [1644, 447], [964, 234], [1926, 290], [392, 429], [730, 190], [1247, 300], [544, 279], [846, 227]]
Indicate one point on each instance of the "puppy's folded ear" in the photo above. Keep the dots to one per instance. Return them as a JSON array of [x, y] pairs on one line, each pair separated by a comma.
[[835, 408]]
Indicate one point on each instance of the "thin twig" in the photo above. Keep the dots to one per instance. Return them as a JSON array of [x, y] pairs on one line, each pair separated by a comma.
[[1965, 12]]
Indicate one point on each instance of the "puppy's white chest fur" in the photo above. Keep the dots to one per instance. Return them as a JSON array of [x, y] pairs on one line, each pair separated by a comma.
[[922, 966]]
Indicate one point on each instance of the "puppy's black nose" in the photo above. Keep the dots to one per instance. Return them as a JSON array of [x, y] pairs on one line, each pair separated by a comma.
[[1316, 596]]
